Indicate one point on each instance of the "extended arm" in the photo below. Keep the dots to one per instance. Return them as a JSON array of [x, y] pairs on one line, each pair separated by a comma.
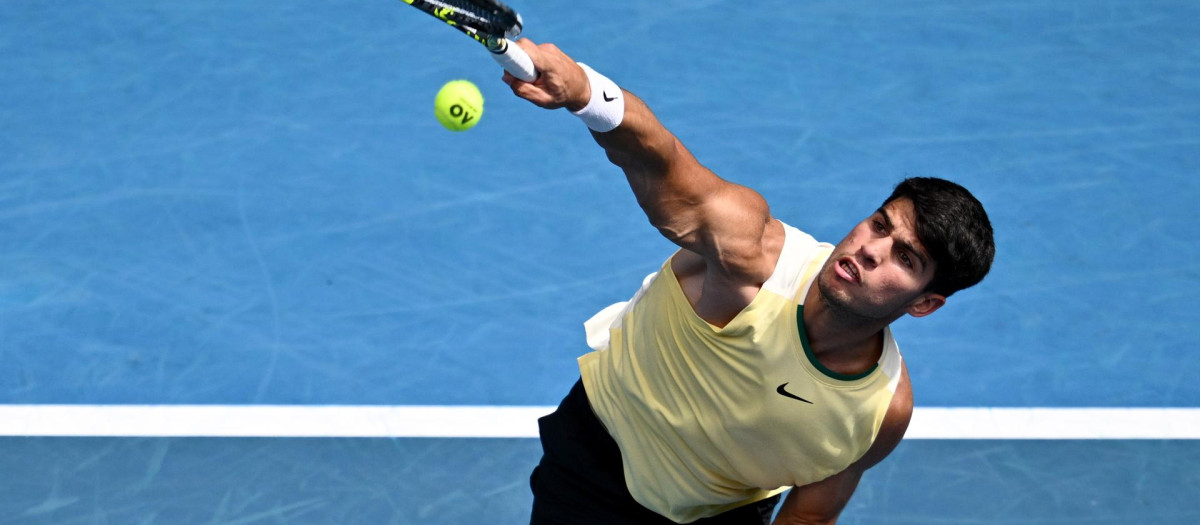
[[724, 223]]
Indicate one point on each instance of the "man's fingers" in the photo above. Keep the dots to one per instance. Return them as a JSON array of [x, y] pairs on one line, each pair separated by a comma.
[[532, 93], [549, 61], [526, 90]]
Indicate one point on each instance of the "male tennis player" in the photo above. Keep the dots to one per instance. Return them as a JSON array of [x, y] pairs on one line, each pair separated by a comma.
[[756, 359]]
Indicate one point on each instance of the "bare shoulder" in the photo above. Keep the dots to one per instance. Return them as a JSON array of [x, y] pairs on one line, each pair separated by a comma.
[[751, 266], [719, 288], [751, 259], [895, 423]]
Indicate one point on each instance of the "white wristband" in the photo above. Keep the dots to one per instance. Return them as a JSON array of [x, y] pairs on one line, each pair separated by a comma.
[[606, 108]]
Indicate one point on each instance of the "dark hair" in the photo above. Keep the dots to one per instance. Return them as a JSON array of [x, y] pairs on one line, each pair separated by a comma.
[[954, 229]]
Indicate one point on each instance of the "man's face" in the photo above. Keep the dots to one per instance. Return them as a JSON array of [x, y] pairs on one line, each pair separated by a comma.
[[879, 271]]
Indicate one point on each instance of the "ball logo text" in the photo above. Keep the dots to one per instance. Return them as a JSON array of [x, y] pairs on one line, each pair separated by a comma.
[[457, 111]]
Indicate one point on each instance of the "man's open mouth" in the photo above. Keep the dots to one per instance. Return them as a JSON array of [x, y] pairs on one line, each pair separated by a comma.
[[850, 270]]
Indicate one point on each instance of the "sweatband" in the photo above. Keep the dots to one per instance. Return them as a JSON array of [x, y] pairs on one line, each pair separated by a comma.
[[606, 108]]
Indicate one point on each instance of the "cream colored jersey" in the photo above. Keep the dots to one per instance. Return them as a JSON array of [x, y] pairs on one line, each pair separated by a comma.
[[708, 418]]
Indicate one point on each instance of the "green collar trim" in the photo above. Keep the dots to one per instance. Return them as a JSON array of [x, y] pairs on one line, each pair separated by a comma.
[[812, 358]]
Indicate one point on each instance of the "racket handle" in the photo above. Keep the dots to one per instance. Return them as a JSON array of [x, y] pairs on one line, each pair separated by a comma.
[[515, 60]]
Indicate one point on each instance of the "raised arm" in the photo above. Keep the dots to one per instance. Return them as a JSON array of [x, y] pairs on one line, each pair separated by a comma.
[[723, 222]]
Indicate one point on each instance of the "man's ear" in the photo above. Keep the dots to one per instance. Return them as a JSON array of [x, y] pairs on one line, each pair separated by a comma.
[[926, 304]]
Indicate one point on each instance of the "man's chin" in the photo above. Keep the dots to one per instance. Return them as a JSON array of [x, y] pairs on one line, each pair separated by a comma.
[[839, 302], [833, 297]]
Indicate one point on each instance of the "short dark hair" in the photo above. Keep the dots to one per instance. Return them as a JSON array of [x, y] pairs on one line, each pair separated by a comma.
[[954, 229]]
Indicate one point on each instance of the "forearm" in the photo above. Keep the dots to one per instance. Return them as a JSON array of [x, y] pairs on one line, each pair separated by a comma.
[[641, 144], [783, 519], [666, 179], [687, 202]]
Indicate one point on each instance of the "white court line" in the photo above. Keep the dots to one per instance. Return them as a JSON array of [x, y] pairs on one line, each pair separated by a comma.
[[521, 421]]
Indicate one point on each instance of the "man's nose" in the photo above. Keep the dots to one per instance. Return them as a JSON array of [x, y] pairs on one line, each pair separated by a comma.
[[873, 252]]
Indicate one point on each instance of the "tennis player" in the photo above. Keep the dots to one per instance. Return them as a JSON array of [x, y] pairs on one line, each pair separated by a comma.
[[757, 359]]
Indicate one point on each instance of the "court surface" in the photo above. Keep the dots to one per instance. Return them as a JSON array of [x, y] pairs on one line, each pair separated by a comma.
[[247, 204]]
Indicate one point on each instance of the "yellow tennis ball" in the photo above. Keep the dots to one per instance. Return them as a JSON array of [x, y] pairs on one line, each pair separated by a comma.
[[458, 105]]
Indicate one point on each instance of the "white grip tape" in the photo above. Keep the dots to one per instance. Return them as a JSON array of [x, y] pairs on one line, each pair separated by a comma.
[[606, 108], [516, 61]]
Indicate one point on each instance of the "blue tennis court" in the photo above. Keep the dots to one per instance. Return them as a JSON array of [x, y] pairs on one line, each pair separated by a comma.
[[240, 204]]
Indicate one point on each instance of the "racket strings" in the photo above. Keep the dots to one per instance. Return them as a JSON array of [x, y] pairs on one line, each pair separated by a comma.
[[477, 16]]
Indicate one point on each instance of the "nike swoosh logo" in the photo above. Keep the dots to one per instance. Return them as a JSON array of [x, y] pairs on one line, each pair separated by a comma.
[[607, 98], [785, 393]]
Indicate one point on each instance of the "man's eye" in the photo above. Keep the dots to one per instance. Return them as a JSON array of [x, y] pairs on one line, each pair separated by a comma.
[[907, 260], [878, 226]]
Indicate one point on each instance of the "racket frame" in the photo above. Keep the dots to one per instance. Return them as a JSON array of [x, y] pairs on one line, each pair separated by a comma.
[[493, 29]]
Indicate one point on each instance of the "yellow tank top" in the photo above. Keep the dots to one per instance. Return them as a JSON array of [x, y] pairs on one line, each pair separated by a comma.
[[709, 419]]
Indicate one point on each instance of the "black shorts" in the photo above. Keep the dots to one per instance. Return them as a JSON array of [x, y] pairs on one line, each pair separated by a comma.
[[580, 480]]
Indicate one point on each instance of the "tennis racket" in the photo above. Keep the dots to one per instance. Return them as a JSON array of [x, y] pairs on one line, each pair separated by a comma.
[[490, 23]]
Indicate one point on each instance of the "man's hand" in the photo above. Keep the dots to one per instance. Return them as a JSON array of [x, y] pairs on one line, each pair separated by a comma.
[[560, 82]]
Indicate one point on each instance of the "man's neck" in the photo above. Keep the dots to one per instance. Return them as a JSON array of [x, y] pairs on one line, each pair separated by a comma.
[[846, 346]]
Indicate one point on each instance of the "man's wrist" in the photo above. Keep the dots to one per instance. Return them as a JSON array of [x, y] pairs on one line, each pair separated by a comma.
[[605, 108], [585, 94]]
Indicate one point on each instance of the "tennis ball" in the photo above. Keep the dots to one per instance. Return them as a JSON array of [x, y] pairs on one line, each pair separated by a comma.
[[458, 105]]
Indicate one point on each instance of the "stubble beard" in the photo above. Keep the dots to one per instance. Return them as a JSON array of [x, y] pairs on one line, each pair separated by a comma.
[[842, 310]]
